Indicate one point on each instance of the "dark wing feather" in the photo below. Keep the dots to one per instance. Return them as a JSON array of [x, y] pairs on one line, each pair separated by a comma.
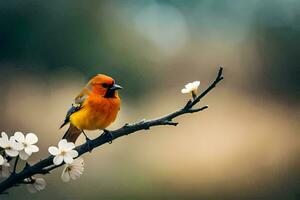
[[79, 100], [72, 110]]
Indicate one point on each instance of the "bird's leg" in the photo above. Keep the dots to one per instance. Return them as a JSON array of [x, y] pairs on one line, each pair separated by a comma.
[[88, 142], [108, 134], [86, 137]]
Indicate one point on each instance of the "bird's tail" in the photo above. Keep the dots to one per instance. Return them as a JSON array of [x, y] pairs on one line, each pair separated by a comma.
[[72, 134]]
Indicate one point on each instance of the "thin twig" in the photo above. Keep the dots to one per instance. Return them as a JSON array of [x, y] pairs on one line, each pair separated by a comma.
[[15, 165], [46, 165]]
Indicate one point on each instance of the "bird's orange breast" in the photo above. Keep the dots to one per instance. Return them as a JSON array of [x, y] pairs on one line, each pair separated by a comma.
[[96, 113]]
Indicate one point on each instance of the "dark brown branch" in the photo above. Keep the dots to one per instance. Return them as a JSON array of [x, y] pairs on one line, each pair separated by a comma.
[[46, 165]]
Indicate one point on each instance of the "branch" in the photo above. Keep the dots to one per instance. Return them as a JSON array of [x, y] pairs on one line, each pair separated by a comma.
[[46, 165]]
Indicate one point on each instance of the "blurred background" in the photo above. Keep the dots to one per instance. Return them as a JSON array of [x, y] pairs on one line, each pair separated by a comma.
[[245, 146]]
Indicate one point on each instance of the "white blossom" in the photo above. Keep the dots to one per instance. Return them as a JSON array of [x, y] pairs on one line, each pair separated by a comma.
[[27, 143], [64, 152], [38, 184], [10, 145], [191, 87], [73, 171], [4, 169]]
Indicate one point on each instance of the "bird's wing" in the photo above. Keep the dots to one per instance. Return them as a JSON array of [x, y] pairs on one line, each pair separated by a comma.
[[79, 100], [74, 108]]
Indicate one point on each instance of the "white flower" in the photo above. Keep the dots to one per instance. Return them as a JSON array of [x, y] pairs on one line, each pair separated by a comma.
[[191, 87], [27, 143], [38, 184], [10, 145], [4, 169], [73, 171], [64, 152]]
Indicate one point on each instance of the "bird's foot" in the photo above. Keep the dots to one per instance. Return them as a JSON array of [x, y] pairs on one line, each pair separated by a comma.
[[89, 142], [108, 134]]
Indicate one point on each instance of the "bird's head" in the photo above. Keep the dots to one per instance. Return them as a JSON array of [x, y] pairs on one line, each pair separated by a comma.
[[104, 86]]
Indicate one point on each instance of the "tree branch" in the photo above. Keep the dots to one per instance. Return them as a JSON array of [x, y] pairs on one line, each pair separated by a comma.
[[46, 165]]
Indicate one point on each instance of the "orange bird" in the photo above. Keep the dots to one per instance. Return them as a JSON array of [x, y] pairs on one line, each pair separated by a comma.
[[96, 107]]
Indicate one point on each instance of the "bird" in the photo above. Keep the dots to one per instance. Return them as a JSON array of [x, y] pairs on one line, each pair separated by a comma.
[[95, 108]]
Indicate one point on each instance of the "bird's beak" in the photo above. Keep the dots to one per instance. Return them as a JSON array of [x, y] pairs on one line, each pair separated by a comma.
[[116, 87]]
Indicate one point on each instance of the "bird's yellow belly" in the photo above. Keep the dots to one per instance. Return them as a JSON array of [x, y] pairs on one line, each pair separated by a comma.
[[92, 119]]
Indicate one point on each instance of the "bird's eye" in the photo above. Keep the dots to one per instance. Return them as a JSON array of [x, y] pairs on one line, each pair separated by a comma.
[[105, 85]]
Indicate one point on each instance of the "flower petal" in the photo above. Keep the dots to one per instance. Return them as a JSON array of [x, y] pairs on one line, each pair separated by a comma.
[[73, 153], [189, 86], [79, 162], [65, 176], [53, 151], [27, 150], [40, 184], [31, 188], [15, 145], [57, 160], [62, 143], [3, 143], [11, 152], [23, 155], [19, 137], [4, 136], [31, 138], [184, 91], [69, 146], [68, 159], [196, 84], [74, 174], [31, 149]]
